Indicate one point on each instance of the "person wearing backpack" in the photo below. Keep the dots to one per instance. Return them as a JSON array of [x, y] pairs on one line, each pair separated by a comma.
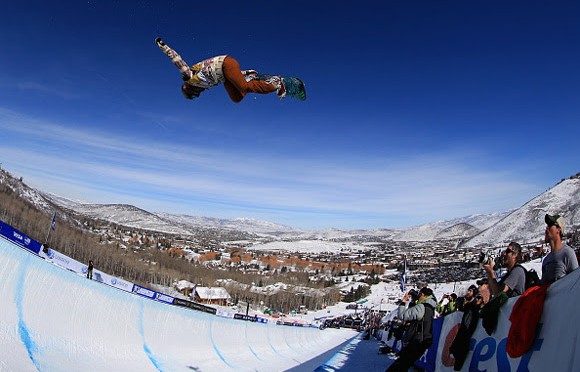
[[420, 331], [513, 283]]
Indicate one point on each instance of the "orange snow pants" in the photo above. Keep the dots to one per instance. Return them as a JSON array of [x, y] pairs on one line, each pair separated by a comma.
[[237, 86]]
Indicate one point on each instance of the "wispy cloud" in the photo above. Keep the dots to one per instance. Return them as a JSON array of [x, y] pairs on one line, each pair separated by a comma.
[[101, 167], [46, 89]]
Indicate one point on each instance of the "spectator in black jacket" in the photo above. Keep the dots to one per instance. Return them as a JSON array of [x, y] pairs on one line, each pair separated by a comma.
[[469, 297], [460, 346], [90, 270], [420, 331]]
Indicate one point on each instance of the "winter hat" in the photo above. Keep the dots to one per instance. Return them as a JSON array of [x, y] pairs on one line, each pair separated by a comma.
[[556, 220], [473, 289], [481, 282]]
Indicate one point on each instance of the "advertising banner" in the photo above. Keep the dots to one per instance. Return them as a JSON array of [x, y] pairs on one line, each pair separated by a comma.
[[249, 318], [224, 313], [81, 268], [112, 281], [194, 305], [553, 349], [19, 238], [64, 261], [145, 292], [164, 298]]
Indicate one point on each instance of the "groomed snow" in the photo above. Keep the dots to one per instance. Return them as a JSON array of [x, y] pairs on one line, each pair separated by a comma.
[[55, 320]]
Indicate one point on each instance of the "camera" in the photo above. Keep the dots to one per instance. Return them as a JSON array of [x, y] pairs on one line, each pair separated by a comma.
[[484, 258]]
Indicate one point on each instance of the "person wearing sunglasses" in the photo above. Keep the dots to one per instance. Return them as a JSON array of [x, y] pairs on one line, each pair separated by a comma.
[[513, 283], [562, 259]]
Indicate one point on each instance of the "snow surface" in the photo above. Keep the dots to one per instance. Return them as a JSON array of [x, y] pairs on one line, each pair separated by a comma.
[[55, 320], [308, 246], [526, 224]]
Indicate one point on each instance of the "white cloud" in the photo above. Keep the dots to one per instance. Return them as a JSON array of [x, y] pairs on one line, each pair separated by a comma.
[[99, 167]]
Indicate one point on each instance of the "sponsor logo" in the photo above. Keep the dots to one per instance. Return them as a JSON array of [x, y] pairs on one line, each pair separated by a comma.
[[144, 292], [18, 236], [27, 240], [490, 350], [113, 281], [164, 298], [62, 258]]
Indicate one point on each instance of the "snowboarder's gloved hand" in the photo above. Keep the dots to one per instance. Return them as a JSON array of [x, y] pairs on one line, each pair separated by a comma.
[[186, 75], [190, 92]]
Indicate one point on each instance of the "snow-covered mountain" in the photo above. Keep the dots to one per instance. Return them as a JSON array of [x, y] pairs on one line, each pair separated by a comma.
[[249, 225], [524, 224], [131, 216], [18, 187], [127, 215], [457, 228]]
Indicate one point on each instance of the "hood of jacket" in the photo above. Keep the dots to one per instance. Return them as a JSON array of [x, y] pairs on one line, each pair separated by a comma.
[[430, 300]]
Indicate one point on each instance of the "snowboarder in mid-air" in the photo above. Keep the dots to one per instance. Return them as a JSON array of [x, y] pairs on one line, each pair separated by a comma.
[[226, 70]]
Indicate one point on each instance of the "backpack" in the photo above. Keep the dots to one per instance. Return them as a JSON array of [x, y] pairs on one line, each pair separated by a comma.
[[532, 278]]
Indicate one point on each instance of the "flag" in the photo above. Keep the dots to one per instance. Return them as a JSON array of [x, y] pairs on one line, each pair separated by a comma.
[[53, 222], [404, 275]]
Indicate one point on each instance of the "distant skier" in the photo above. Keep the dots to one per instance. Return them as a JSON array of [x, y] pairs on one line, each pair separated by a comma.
[[226, 70]]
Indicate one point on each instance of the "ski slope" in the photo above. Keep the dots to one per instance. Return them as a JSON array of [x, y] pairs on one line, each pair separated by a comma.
[[55, 320]]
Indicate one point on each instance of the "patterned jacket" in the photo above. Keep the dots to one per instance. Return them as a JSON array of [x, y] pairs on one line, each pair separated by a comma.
[[208, 73]]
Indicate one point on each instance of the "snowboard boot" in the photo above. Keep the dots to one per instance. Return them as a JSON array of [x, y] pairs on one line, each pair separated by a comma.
[[286, 86]]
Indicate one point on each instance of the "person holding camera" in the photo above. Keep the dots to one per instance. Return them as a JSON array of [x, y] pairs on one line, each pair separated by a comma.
[[449, 307], [513, 283], [420, 331], [460, 345]]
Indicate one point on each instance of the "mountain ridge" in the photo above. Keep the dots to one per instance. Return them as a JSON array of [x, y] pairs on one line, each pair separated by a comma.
[[523, 224]]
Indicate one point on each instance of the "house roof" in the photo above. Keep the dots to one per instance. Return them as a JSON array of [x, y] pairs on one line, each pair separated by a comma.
[[212, 293], [182, 284]]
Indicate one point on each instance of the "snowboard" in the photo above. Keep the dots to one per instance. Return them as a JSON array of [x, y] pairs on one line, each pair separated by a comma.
[[294, 86]]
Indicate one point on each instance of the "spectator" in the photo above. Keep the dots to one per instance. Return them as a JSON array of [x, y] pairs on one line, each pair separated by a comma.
[[483, 289], [460, 346], [420, 332], [562, 259], [468, 298], [449, 307], [513, 283], [90, 270]]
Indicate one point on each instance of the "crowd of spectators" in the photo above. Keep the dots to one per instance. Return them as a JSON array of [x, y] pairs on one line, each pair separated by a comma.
[[482, 300]]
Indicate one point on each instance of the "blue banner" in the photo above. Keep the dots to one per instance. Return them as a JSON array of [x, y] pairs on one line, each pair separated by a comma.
[[145, 292], [19, 238], [164, 298], [428, 362]]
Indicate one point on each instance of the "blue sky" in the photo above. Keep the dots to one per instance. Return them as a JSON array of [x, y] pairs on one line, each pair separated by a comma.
[[417, 110]]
